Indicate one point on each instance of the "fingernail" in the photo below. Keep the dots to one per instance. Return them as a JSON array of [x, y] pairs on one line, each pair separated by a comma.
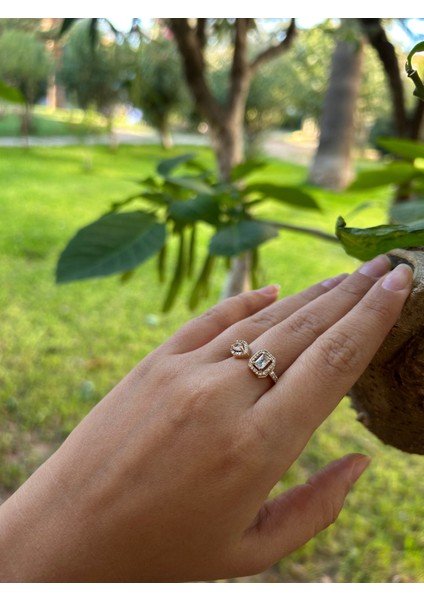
[[376, 267], [270, 290], [358, 468], [334, 281], [398, 279]]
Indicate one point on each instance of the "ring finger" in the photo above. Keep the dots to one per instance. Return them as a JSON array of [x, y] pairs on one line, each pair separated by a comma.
[[286, 340]]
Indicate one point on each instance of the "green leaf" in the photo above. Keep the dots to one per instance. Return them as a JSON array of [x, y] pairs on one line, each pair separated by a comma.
[[179, 273], [246, 168], [192, 184], [393, 174], [404, 148], [239, 237], [165, 167], [11, 94], [407, 212], [201, 287], [290, 195], [117, 242], [369, 242], [201, 208]]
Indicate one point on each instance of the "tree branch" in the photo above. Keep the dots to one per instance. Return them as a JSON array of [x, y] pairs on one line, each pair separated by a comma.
[[189, 45], [240, 68], [376, 36], [274, 51], [314, 232]]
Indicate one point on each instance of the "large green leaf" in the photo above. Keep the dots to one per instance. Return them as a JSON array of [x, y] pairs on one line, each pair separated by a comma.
[[117, 242], [200, 208], [289, 195], [165, 167], [404, 148], [407, 212], [239, 237], [193, 184], [246, 168], [369, 242], [393, 174]]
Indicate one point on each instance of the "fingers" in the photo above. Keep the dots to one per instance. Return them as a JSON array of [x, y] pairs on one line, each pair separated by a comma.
[[288, 339], [293, 518], [311, 388], [254, 326], [207, 326]]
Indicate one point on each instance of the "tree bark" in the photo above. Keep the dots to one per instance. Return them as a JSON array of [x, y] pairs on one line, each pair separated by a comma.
[[332, 164], [389, 396]]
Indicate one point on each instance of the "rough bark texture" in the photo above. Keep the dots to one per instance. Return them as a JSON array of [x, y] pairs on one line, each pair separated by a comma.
[[332, 166], [389, 396]]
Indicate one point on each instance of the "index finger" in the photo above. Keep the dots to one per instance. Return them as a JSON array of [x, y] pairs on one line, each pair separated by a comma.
[[323, 374]]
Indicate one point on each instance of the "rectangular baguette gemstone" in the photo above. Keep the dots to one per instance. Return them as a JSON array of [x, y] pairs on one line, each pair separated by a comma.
[[262, 361]]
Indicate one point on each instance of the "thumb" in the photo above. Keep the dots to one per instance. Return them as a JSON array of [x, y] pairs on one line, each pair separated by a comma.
[[293, 518]]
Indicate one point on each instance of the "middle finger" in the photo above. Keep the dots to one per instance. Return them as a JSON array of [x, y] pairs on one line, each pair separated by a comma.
[[289, 338]]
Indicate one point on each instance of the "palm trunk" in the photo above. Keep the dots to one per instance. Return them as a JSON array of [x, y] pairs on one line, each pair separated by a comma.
[[332, 165]]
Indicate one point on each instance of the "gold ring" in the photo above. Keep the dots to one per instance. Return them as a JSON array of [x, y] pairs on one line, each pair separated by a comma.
[[262, 363], [240, 349]]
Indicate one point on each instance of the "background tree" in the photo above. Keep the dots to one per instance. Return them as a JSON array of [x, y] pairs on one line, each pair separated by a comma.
[[96, 75], [158, 88], [332, 164], [407, 120], [25, 65]]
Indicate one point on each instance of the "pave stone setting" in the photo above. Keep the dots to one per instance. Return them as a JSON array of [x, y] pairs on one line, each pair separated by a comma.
[[262, 363], [240, 349]]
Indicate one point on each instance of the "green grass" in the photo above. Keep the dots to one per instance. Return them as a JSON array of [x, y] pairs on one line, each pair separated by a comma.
[[63, 347], [45, 123]]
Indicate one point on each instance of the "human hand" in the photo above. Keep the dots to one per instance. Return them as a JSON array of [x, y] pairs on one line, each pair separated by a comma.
[[167, 478]]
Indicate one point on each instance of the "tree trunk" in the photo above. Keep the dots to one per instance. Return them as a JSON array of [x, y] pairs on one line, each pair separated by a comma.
[[225, 120], [389, 395], [332, 165], [165, 136], [26, 121]]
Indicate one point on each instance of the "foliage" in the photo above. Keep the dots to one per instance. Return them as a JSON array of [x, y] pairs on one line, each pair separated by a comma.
[[158, 85], [413, 72], [175, 203], [24, 63], [95, 75], [407, 227]]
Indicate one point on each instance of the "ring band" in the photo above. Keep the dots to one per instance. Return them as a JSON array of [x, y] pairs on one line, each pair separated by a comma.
[[262, 364]]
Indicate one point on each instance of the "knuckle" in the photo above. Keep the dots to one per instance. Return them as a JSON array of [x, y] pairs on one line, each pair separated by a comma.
[[351, 287], [379, 310], [340, 353], [305, 324], [264, 319]]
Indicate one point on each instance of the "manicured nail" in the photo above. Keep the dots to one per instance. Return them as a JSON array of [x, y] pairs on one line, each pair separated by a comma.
[[270, 290], [358, 468], [376, 267], [398, 279], [334, 281]]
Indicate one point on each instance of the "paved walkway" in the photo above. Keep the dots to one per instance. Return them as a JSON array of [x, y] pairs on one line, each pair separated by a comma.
[[277, 144]]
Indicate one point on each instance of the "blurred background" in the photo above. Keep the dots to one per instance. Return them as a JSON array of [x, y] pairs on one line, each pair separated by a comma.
[[292, 113]]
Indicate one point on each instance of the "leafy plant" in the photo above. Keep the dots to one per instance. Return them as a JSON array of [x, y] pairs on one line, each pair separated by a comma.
[[407, 218], [172, 204], [413, 73]]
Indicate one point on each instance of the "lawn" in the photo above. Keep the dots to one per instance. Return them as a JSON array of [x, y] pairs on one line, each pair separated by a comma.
[[63, 347]]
